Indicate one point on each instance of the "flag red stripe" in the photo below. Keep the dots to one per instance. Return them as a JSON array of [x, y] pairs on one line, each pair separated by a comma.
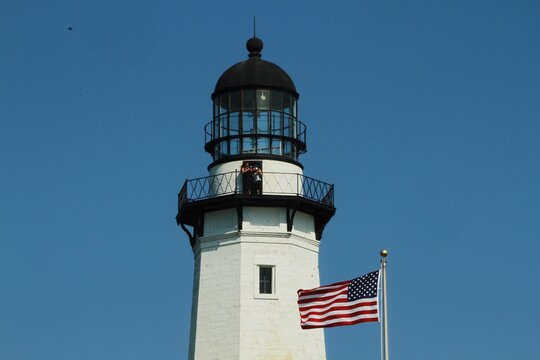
[[342, 323], [338, 302], [323, 289], [336, 308], [323, 305], [320, 298], [348, 314], [338, 318]]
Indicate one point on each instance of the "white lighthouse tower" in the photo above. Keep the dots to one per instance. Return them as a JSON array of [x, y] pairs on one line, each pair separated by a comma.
[[256, 221]]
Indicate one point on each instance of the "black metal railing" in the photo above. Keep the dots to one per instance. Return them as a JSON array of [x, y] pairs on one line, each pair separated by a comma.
[[296, 130], [273, 183]]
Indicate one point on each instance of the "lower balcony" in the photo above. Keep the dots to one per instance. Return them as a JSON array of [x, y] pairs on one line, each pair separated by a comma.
[[235, 190]]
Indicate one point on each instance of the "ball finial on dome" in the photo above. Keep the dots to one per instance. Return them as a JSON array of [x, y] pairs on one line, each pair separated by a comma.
[[254, 46]]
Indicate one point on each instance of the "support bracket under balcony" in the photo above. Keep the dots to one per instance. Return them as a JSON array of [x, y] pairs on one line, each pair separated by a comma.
[[200, 225], [290, 217], [239, 214], [189, 234]]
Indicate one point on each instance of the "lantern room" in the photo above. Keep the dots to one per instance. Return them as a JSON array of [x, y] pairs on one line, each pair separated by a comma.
[[255, 113]]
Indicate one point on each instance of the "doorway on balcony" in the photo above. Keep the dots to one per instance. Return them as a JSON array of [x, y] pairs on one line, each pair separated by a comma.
[[252, 177]]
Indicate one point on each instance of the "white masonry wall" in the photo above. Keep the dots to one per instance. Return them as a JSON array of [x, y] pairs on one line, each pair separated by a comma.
[[279, 178], [230, 319]]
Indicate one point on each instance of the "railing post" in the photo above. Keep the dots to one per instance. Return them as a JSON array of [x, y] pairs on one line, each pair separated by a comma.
[[235, 181], [297, 188]]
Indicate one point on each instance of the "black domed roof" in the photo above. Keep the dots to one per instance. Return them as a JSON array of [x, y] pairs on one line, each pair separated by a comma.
[[254, 72]]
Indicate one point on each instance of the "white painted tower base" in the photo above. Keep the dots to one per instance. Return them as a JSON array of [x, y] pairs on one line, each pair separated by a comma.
[[231, 320]]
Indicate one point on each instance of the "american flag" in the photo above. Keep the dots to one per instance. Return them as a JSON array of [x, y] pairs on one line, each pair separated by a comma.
[[343, 303]]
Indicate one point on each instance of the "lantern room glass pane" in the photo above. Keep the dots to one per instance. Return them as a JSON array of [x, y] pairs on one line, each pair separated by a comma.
[[263, 145], [216, 106], [294, 127], [276, 146], [234, 123], [276, 100], [215, 130], [287, 148], [249, 145], [263, 99], [277, 128], [224, 128], [235, 147], [248, 100], [224, 151], [248, 126], [287, 105], [287, 125], [236, 101], [224, 103], [263, 123]]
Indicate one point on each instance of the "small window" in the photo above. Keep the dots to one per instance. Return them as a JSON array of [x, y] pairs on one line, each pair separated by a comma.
[[266, 285], [265, 275]]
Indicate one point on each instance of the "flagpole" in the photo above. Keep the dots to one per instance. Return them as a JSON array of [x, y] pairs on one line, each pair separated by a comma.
[[384, 254]]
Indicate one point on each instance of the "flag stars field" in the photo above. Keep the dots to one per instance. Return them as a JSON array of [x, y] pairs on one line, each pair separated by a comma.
[[364, 286]]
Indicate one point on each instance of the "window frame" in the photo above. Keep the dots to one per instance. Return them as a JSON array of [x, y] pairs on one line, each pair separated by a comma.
[[257, 280]]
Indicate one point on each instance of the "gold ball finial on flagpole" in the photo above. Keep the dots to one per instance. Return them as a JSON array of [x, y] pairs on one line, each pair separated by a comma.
[[384, 253]]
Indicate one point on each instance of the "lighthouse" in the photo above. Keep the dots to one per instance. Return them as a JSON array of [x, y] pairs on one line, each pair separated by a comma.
[[255, 221]]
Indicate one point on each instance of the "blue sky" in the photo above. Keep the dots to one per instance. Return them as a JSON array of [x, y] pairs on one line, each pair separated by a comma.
[[424, 114]]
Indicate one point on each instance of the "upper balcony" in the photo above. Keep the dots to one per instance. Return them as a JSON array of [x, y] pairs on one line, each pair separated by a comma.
[[233, 190]]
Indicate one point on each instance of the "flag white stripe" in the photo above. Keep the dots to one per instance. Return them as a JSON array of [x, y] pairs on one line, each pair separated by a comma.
[[314, 303], [333, 321], [339, 312], [304, 297], [349, 303], [327, 287], [350, 310]]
